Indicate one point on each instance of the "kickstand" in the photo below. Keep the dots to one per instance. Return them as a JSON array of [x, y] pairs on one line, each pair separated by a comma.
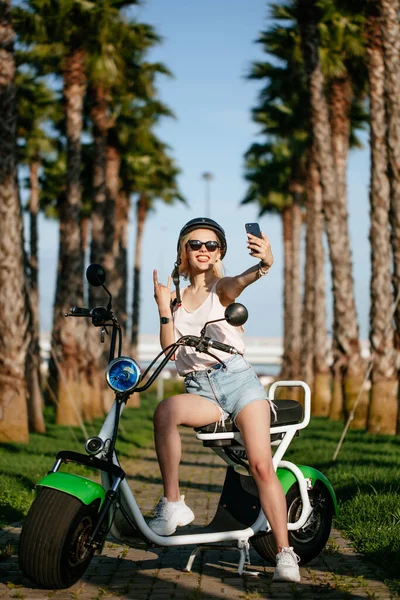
[[192, 556], [244, 549]]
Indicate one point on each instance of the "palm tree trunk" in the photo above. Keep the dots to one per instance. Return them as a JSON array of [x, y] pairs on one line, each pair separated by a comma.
[[287, 290], [384, 406], [69, 335], [295, 303], [100, 231], [346, 347], [35, 401], [99, 217], [114, 276], [85, 233], [32, 374], [141, 215], [340, 96], [322, 391], [308, 313], [389, 10], [102, 215], [339, 108], [13, 318], [121, 258]]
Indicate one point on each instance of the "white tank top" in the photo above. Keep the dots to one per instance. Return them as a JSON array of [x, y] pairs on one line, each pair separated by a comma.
[[191, 323]]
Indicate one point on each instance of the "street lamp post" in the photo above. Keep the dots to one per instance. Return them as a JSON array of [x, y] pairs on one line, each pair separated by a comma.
[[208, 177]]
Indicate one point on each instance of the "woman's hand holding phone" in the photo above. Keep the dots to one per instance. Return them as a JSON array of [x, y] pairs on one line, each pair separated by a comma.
[[258, 244]]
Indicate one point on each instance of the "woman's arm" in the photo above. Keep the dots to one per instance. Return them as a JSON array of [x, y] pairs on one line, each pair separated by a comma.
[[229, 288], [162, 295]]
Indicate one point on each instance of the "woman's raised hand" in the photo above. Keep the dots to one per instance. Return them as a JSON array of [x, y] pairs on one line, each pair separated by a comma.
[[162, 293], [260, 248]]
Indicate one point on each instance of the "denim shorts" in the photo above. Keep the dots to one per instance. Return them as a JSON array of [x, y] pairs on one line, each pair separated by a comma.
[[230, 387]]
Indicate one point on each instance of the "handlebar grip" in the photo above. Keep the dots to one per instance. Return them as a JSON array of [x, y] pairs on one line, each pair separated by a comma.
[[78, 311], [223, 347]]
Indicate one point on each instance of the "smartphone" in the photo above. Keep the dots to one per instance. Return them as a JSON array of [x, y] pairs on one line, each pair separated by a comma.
[[253, 229]]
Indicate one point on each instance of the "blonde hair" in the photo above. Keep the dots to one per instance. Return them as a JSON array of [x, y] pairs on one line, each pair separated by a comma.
[[184, 267]]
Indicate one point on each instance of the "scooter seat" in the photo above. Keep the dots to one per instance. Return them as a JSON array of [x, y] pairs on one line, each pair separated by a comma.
[[289, 412]]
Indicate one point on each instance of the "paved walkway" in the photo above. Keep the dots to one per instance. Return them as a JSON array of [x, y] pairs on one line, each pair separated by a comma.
[[157, 574]]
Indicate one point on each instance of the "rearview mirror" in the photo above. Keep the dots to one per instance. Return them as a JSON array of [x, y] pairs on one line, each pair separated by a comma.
[[96, 275], [236, 314]]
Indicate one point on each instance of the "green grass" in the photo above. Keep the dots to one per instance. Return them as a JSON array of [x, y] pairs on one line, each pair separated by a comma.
[[366, 479], [21, 466]]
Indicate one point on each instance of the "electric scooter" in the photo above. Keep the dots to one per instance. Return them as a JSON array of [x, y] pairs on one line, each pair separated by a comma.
[[72, 515]]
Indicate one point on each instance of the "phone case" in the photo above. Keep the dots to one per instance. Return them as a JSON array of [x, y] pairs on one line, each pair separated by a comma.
[[253, 229]]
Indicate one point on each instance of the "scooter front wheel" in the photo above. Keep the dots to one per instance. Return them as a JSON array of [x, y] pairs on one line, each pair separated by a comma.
[[52, 549], [308, 541]]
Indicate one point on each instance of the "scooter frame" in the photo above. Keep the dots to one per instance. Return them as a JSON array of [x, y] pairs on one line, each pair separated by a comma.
[[241, 536]]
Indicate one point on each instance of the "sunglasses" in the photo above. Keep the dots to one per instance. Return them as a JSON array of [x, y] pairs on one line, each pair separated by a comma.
[[211, 245]]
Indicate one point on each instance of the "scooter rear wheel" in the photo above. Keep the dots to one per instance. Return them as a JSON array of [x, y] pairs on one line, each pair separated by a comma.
[[309, 541], [52, 545]]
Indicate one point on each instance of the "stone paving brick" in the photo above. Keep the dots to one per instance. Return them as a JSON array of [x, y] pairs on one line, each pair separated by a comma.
[[157, 574]]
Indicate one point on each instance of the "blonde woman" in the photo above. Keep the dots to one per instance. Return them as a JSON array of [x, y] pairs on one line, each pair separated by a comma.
[[214, 391]]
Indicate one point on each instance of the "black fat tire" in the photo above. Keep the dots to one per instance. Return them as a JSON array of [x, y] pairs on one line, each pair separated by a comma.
[[52, 539], [309, 541]]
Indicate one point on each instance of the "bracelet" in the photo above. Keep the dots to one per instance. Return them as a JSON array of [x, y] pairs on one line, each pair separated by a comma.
[[263, 269]]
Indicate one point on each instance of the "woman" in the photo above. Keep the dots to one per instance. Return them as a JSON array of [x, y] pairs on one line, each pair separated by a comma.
[[213, 393]]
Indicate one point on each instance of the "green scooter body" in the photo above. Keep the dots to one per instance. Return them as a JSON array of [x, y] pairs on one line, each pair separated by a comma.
[[86, 490], [287, 479]]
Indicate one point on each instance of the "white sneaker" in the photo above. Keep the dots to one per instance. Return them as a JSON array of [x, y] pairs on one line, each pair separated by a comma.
[[167, 516], [287, 568]]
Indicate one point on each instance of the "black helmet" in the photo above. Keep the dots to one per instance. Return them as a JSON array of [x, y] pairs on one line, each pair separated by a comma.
[[198, 223], [205, 223]]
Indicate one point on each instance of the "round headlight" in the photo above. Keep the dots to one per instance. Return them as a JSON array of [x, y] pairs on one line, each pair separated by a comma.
[[123, 374]]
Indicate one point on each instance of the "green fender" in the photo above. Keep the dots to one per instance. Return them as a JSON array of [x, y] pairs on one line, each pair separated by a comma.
[[287, 479], [86, 490]]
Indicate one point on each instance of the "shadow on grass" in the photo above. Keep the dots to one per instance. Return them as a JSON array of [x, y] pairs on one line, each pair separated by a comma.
[[26, 482], [10, 514]]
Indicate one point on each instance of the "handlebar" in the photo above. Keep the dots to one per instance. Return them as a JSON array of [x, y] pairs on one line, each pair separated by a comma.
[[102, 317], [224, 347], [78, 311], [100, 314], [203, 344]]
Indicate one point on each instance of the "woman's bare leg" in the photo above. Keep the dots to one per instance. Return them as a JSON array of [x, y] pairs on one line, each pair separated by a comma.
[[254, 424], [182, 409]]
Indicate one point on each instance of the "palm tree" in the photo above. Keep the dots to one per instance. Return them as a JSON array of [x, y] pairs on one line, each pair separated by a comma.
[[35, 102], [13, 311], [322, 376], [346, 347], [53, 33], [114, 43], [384, 406], [342, 55], [389, 10]]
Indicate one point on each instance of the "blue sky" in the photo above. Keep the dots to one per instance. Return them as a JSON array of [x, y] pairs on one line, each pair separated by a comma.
[[209, 47]]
